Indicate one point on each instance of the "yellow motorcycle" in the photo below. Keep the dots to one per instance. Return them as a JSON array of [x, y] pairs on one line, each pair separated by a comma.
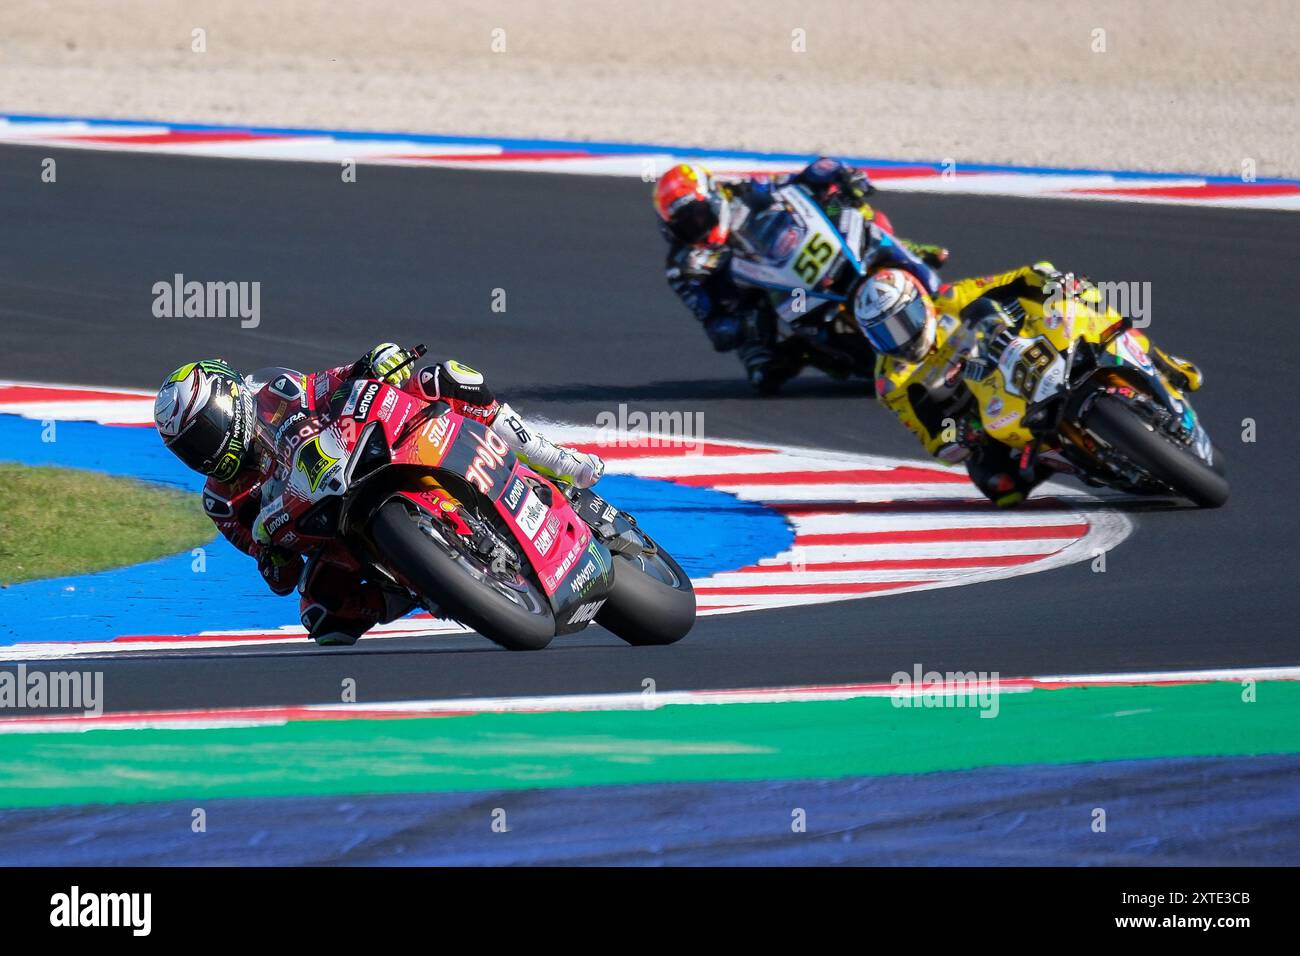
[[1076, 390]]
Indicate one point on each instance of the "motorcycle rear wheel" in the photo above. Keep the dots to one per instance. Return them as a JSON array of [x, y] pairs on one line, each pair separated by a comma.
[[652, 601]]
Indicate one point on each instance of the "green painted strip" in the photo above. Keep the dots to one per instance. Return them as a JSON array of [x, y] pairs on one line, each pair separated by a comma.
[[675, 743]]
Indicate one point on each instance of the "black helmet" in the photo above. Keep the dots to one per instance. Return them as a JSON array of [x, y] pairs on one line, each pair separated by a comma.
[[204, 413]]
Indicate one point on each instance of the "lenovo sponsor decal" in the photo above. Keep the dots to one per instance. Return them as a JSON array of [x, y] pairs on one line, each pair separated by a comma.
[[363, 403]]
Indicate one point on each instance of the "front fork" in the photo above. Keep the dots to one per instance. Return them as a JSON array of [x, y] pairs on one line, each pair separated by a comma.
[[461, 524], [478, 534]]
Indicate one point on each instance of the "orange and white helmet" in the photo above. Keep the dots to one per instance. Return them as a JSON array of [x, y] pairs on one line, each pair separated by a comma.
[[896, 314], [691, 204]]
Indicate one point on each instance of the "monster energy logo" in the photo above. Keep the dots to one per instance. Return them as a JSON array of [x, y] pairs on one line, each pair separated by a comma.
[[594, 568], [228, 465], [599, 555], [210, 366]]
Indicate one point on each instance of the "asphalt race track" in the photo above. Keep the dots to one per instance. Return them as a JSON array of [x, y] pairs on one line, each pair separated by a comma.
[[413, 255]]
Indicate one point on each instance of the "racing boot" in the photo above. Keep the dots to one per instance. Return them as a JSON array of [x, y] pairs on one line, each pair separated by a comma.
[[1183, 375], [336, 608], [566, 465], [1005, 476], [770, 367], [330, 630]]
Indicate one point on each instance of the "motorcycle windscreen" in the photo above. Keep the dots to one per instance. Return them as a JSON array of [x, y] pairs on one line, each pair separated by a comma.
[[772, 234]]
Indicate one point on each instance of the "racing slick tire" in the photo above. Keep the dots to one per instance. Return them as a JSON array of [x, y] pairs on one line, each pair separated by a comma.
[[446, 579], [652, 601], [1170, 464]]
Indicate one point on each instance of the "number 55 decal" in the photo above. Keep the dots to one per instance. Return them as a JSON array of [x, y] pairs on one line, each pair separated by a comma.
[[813, 258]]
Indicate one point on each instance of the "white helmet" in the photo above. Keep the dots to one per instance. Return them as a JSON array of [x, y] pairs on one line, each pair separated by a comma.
[[896, 314]]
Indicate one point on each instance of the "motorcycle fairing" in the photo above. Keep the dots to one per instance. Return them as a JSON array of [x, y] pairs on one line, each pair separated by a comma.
[[1031, 368], [811, 249], [550, 536]]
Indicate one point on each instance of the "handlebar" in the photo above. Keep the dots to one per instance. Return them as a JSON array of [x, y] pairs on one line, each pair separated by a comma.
[[414, 355]]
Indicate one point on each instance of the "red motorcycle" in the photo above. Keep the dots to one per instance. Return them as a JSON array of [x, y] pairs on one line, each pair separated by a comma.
[[419, 498]]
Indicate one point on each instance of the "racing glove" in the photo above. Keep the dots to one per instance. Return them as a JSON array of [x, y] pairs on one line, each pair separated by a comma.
[[932, 255], [280, 568], [538, 452], [1060, 284], [387, 362], [968, 443], [992, 326], [826, 171], [855, 184]]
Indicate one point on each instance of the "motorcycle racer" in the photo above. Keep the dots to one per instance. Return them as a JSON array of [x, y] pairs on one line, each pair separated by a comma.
[[921, 381], [703, 220], [231, 428]]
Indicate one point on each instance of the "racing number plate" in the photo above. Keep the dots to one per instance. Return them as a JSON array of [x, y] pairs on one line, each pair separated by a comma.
[[813, 259], [1025, 363]]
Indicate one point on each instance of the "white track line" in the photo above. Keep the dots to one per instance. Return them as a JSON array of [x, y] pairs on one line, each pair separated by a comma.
[[573, 703]]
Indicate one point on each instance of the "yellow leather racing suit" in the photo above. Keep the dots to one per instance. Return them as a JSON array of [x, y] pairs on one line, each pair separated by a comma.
[[932, 402], [923, 394]]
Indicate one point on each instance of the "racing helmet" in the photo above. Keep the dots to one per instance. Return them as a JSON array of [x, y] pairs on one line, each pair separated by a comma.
[[204, 413], [690, 204], [896, 314]]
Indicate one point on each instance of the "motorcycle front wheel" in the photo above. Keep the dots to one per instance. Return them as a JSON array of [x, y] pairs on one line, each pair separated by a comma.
[[512, 613], [1169, 463]]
